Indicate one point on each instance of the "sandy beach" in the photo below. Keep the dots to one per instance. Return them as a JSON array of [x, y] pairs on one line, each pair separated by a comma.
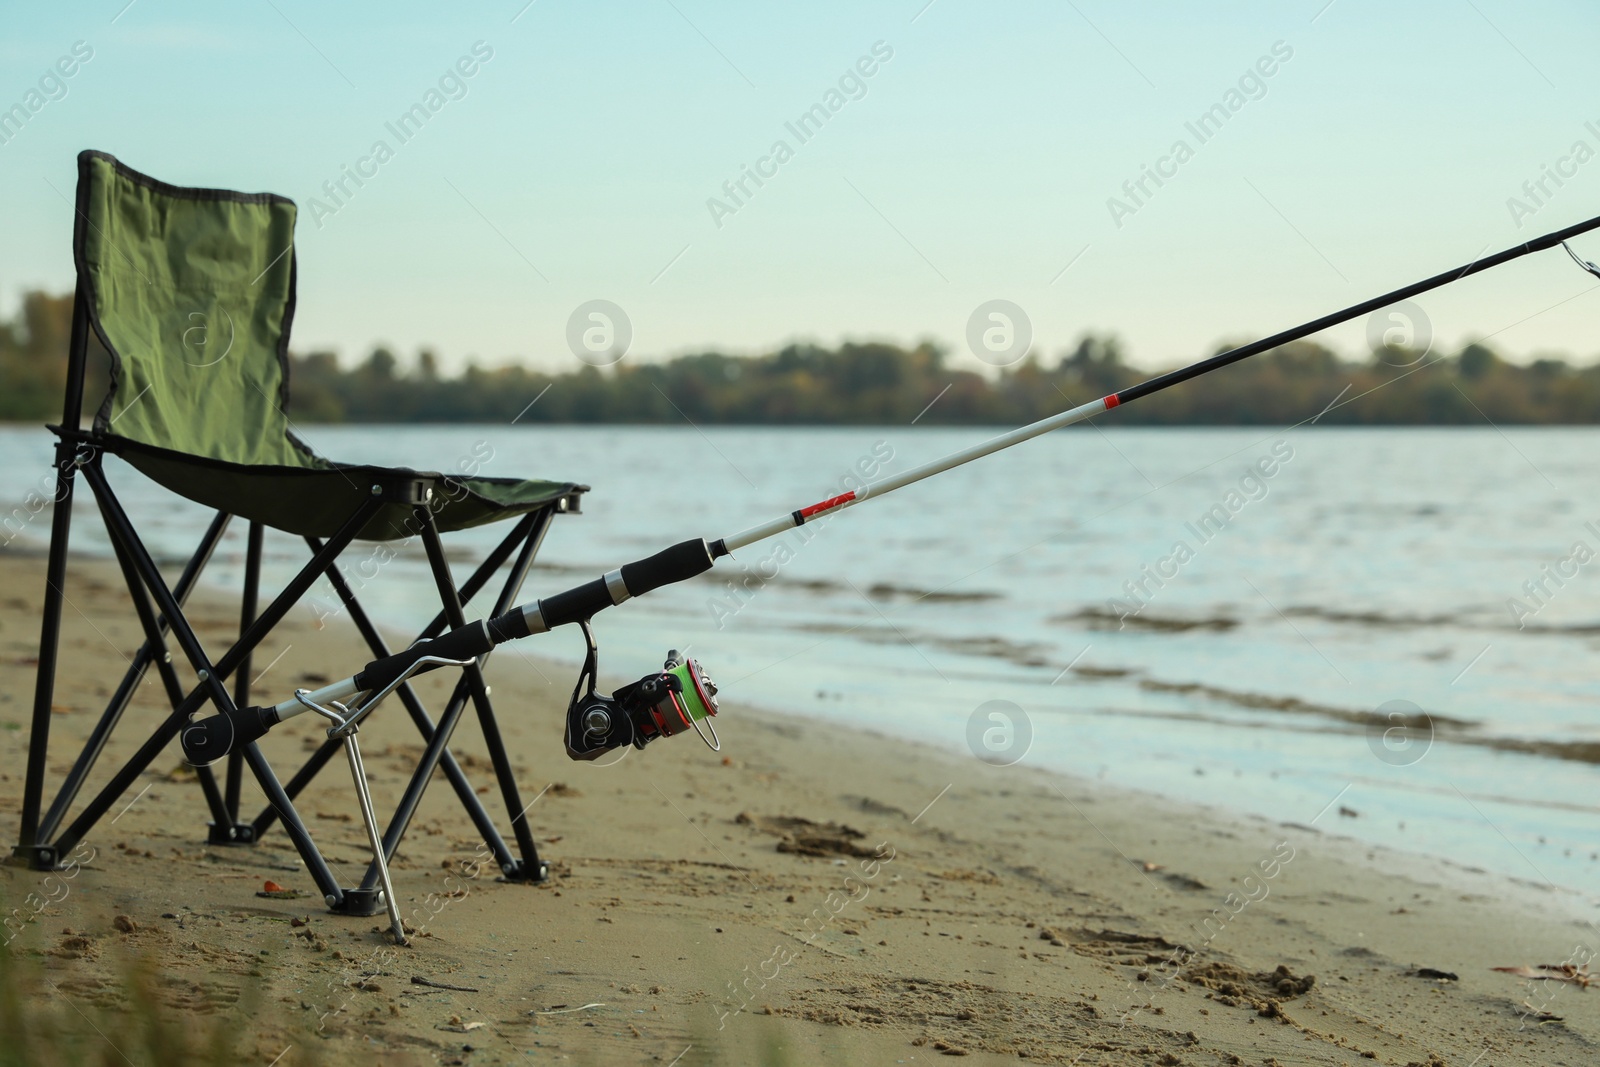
[[809, 895]]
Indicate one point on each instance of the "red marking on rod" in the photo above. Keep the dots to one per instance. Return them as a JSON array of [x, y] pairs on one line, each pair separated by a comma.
[[1111, 401], [827, 505]]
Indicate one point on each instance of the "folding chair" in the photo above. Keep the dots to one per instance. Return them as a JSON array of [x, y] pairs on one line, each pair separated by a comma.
[[191, 292]]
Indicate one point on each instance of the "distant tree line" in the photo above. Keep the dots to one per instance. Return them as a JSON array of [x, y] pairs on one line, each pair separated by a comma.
[[869, 383]]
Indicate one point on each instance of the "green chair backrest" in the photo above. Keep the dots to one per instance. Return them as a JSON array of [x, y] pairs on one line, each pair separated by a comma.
[[192, 291]]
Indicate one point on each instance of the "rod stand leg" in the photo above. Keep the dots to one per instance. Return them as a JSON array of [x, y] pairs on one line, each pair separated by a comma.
[[345, 722], [358, 771]]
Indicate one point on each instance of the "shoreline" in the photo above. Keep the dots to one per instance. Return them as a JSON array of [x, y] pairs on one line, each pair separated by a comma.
[[689, 885], [1529, 888]]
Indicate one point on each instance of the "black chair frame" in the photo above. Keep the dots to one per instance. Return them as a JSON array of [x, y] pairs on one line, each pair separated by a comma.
[[44, 842]]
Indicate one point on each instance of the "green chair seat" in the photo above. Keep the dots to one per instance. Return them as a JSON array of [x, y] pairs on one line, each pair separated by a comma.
[[315, 501]]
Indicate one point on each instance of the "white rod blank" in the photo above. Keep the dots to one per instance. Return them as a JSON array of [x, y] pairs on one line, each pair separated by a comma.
[[917, 474]]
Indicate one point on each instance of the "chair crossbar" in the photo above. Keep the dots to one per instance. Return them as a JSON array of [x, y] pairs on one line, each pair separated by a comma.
[[529, 533], [142, 659], [470, 686], [214, 674]]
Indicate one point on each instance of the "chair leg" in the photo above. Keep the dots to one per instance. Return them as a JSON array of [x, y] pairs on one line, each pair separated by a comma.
[[295, 827], [530, 867], [302, 778], [241, 681], [28, 847], [143, 575]]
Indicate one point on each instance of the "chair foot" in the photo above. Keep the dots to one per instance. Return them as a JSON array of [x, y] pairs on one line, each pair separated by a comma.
[[38, 857], [518, 871], [360, 902], [238, 834]]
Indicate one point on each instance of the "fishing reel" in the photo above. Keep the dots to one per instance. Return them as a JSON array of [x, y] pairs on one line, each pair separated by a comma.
[[671, 701]]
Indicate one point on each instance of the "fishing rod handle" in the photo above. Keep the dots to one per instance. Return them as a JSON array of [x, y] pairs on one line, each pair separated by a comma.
[[678, 563], [675, 564]]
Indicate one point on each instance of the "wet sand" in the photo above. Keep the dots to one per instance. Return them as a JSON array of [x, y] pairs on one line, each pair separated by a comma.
[[809, 895]]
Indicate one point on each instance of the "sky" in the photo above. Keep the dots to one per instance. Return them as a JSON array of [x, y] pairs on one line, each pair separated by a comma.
[[983, 158]]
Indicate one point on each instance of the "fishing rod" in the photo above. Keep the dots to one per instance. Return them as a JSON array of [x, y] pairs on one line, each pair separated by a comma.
[[682, 696]]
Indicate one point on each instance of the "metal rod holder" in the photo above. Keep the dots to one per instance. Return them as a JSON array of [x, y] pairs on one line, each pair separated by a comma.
[[353, 720], [345, 725], [358, 772]]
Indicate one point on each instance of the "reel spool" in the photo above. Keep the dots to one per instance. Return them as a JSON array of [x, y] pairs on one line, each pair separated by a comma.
[[682, 697], [678, 698]]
